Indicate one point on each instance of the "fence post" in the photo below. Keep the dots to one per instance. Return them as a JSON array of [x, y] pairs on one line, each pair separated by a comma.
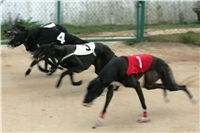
[[140, 20], [58, 12]]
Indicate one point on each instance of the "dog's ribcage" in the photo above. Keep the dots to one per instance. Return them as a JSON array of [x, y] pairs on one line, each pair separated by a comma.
[[85, 52]]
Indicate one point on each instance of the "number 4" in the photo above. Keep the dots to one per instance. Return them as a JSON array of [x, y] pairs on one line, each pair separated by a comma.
[[61, 37]]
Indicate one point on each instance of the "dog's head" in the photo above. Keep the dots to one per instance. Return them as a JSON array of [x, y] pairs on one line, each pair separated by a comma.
[[18, 39], [15, 29], [17, 35], [94, 90]]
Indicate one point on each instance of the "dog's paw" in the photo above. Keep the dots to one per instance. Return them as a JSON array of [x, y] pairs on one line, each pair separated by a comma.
[[57, 85], [166, 99], [194, 100], [143, 120], [28, 72], [99, 122], [77, 83], [49, 73]]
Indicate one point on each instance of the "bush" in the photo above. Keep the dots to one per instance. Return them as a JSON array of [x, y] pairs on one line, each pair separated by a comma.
[[189, 38], [9, 23]]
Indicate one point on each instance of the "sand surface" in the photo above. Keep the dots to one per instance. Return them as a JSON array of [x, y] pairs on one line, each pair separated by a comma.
[[33, 104]]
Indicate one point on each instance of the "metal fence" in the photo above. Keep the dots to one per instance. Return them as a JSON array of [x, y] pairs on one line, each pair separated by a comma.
[[79, 12], [104, 12], [169, 17], [42, 11]]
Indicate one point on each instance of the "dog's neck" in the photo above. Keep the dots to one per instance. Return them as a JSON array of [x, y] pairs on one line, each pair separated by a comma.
[[59, 52]]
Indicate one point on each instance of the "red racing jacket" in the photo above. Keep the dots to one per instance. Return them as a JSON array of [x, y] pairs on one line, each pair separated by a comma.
[[138, 63]]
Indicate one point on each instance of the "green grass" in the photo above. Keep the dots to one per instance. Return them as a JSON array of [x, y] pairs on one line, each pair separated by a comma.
[[189, 38], [88, 29], [74, 29], [91, 29], [171, 26]]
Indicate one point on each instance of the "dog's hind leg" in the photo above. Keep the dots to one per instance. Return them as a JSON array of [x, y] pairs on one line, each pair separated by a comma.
[[54, 66], [184, 88], [150, 78], [45, 67], [46, 63], [169, 81]]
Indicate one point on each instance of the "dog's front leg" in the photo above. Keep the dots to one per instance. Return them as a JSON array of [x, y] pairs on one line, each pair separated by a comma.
[[33, 63], [67, 72], [109, 95], [70, 73], [144, 117]]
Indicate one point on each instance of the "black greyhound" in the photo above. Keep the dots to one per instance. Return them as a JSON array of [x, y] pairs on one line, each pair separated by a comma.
[[75, 58], [128, 70], [32, 39]]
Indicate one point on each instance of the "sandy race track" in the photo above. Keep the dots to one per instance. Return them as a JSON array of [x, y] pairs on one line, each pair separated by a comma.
[[33, 104]]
